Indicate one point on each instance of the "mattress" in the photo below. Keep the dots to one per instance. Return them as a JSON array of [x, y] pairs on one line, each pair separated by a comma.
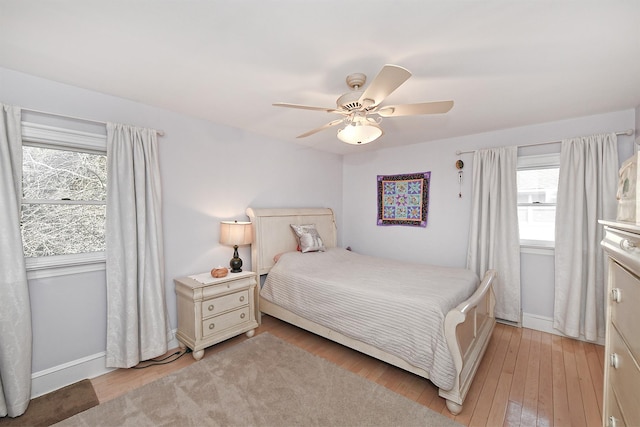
[[398, 307]]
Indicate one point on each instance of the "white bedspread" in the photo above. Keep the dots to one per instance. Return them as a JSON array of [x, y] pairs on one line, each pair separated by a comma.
[[397, 307]]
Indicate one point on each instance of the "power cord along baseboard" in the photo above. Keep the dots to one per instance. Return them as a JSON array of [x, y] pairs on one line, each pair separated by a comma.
[[164, 360]]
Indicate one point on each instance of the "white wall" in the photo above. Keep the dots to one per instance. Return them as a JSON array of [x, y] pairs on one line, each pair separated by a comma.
[[444, 240], [209, 173]]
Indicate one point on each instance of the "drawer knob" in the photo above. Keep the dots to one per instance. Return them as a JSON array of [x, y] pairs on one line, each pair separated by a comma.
[[242, 298], [210, 307], [616, 295], [242, 315], [212, 325], [614, 360], [627, 245]]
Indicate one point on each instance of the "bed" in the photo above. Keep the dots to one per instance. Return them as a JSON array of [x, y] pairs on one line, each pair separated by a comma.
[[437, 327]]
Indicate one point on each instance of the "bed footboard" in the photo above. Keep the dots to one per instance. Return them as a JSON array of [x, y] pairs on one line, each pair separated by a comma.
[[468, 329]]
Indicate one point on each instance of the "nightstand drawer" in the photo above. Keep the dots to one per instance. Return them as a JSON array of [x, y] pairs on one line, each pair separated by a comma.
[[231, 285], [224, 303], [224, 321]]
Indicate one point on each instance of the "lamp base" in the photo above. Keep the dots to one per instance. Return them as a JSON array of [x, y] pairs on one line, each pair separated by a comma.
[[236, 262]]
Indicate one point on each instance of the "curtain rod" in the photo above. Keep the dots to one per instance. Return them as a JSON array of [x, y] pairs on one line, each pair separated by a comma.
[[627, 132], [158, 132]]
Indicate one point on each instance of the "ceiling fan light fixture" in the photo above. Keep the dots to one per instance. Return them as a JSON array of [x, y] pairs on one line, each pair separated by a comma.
[[360, 132]]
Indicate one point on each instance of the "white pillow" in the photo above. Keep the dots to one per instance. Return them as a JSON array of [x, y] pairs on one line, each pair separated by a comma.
[[308, 238]]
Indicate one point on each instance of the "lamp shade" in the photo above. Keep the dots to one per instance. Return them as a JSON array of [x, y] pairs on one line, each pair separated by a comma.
[[360, 132], [234, 233]]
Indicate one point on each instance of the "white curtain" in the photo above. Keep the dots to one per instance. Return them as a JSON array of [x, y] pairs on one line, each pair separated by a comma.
[[586, 193], [15, 309], [494, 241], [137, 322]]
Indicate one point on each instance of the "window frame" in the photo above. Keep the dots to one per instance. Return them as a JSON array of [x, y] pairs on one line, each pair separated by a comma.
[[537, 162], [45, 136]]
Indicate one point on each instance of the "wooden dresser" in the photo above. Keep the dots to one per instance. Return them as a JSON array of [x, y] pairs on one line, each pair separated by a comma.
[[622, 348]]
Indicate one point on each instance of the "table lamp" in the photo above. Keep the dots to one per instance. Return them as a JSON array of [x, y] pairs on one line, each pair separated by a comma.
[[234, 233]]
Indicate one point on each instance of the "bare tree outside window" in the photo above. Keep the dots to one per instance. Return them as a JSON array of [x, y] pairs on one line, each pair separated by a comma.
[[64, 201]]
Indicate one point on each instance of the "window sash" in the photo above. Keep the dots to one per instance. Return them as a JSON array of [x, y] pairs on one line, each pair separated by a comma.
[[534, 204], [62, 202]]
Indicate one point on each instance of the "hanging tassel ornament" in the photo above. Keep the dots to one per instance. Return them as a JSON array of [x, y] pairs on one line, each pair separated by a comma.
[[459, 166]]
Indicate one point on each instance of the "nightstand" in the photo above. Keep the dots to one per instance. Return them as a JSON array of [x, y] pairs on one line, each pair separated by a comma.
[[211, 310]]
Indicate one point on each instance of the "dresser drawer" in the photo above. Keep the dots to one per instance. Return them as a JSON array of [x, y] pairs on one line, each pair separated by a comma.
[[613, 417], [224, 321], [623, 246], [224, 303], [624, 377], [625, 314]]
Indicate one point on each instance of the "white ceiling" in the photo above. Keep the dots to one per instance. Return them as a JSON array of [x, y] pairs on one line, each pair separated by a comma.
[[504, 63]]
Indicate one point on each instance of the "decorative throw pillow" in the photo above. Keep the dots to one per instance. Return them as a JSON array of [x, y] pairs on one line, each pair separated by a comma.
[[308, 238]]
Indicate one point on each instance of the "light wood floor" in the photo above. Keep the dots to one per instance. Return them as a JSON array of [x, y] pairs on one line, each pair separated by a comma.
[[526, 378]]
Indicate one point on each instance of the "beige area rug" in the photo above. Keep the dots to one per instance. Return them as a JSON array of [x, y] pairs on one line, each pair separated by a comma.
[[262, 381]]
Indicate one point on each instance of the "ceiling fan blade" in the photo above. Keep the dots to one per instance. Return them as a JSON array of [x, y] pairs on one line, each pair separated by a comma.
[[415, 109], [316, 130], [305, 107], [388, 79]]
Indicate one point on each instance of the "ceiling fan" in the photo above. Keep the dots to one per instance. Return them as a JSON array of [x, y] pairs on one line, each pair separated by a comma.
[[358, 105]]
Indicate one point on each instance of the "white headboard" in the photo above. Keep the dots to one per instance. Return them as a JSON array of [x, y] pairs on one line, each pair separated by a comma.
[[272, 233]]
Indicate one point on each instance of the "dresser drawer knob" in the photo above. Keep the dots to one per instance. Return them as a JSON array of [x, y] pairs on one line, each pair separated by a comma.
[[242, 298], [614, 360], [616, 295], [210, 307], [242, 315], [627, 245], [211, 326]]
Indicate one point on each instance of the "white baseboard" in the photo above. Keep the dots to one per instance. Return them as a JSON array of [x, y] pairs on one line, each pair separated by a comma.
[[48, 380], [545, 324]]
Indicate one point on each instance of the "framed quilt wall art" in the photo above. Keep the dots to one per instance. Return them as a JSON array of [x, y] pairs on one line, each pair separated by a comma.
[[403, 199]]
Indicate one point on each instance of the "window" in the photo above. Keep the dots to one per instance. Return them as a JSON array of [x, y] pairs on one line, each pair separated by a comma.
[[537, 196], [64, 186]]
